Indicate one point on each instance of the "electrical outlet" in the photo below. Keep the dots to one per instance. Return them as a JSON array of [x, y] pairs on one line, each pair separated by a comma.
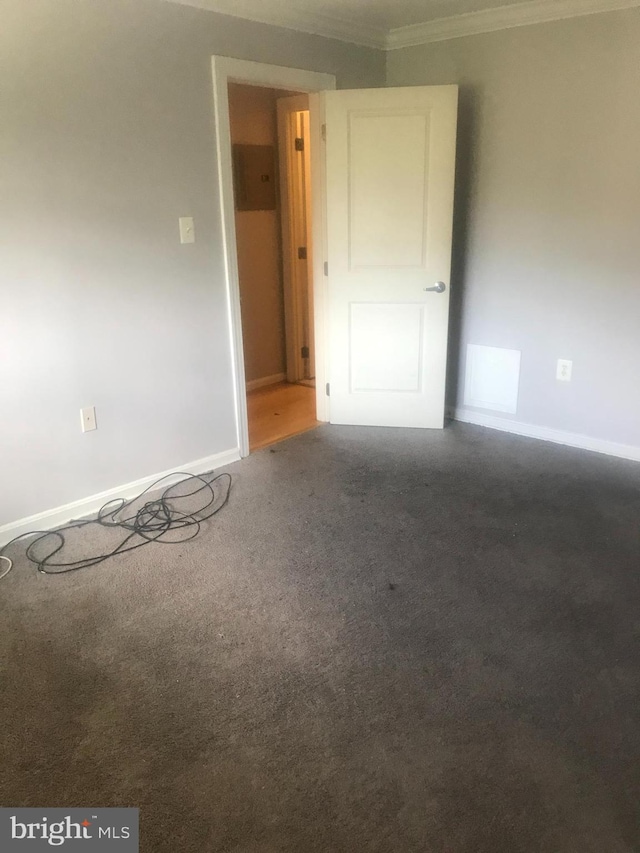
[[88, 419], [563, 370]]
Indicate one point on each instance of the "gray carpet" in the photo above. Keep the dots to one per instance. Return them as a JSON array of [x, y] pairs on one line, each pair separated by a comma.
[[387, 641]]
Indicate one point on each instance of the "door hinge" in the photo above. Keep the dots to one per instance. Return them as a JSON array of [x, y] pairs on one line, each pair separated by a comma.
[[302, 253], [323, 132], [304, 352], [299, 143], [328, 389], [326, 267]]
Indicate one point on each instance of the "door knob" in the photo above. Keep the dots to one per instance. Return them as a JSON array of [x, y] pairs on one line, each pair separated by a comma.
[[438, 287]]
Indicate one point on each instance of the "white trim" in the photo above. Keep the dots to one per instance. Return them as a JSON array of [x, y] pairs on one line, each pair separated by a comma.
[[557, 436], [254, 384], [272, 76], [230, 253], [224, 71], [301, 20], [52, 518], [319, 252], [502, 18], [361, 32]]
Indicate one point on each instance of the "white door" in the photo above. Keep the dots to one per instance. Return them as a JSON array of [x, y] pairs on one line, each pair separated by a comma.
[[390, 158], [294, 143]]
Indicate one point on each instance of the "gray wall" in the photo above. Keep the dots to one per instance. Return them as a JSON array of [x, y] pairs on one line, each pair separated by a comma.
[[106, 138], [547, 231]]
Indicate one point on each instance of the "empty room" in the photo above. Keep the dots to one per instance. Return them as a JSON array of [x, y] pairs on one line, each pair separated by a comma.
[[320, 434]]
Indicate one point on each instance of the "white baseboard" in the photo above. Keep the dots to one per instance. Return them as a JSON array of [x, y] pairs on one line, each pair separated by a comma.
[[51, 518], [557, 436], [266, 380]]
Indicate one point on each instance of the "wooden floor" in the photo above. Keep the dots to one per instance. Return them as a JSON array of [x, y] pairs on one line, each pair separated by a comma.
[[278, 412]]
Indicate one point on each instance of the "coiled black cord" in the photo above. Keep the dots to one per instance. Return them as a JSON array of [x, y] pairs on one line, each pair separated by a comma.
[[171, 512]]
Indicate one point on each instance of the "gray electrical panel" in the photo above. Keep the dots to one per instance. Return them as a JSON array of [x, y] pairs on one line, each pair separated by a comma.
[[254, 177]]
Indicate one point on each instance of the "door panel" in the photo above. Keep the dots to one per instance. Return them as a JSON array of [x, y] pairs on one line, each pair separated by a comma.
[[385, 347], [390, 157], [376, 175]]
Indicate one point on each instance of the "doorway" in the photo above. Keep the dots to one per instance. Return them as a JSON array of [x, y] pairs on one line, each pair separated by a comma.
[[271, 176], [225, 71], [271, 157]]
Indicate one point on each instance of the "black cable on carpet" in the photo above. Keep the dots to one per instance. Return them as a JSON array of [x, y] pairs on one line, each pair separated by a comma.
[[171, 513]]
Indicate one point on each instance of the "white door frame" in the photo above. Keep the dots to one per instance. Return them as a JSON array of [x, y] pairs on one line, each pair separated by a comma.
[[226, 70], [295, 220]]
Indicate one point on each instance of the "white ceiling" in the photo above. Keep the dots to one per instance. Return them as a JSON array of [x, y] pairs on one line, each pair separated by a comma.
[[400, 23], [384, 14]]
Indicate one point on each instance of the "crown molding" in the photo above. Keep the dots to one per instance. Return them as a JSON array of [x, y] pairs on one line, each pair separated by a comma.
[[439, 29], [503, 18], [313, 23]]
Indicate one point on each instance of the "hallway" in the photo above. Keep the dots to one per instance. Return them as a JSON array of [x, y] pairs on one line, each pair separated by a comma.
[[280, 411]]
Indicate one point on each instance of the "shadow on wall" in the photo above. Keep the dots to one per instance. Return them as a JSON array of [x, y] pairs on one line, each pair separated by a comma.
[[467, 123]]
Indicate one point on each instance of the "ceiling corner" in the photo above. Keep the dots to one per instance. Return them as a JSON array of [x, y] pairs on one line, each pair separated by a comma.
[[500, 18], [312, 23]]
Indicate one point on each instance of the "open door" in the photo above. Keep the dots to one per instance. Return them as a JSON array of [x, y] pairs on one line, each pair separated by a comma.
[[294, 142], [390, 160]]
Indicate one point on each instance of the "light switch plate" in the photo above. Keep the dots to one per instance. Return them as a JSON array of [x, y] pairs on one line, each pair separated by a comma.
[[88, 419], [187, 233]]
